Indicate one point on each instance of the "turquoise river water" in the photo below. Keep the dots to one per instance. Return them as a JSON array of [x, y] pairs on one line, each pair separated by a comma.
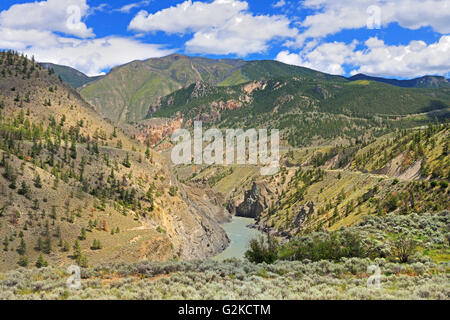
[[240, 235]]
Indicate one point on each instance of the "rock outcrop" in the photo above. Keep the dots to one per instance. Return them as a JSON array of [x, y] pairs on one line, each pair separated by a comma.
[[199, 229], [153, 131], [303, 214], [255, 201], [322, 92]]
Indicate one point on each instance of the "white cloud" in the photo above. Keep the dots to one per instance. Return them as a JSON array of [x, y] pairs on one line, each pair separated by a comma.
[[92, 56], [332, 16], [31, 28], [51, 15], [22, 39], [376, 59], [127, 8], [219, 27], [412, 60], [241, 35], [188, 16], [328, 57], [279, 4]]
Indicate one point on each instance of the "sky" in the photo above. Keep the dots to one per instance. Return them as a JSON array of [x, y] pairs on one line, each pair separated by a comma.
[[396, 39]]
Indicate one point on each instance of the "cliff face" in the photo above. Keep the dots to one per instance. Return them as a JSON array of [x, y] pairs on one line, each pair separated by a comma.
[[200, 232], [153, 131], [255, 201]]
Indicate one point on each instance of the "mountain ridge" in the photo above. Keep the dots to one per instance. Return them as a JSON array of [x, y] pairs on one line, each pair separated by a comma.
[[72, 76], [428, 81], [126, 92]]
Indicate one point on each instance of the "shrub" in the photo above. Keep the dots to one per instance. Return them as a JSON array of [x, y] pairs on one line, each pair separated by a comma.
[[334, 246], [262, 250], [403, 248]]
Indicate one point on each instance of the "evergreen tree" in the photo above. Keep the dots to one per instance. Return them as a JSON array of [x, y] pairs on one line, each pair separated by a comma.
[[22, 247], [47, 245], [41, 263], [76, 249], [23, 261], [73, 150], [82, 234], [24, 189], [126, 163], [39, 244]]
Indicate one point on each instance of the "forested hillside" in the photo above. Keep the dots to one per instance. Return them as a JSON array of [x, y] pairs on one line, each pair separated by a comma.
[[307, 109], [74, 188]]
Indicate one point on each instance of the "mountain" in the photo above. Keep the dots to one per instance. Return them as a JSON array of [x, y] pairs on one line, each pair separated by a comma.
[[73, 77], [74, 188], [126, 93], [306, 108], [422, 82]]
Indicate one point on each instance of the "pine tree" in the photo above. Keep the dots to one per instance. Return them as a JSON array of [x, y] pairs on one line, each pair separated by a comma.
[[126, 162], [82, 234], [73, 150], [96, 245], [53, 214], [47, 246], [24, 189], [39, 244], [82, 261], [76, 249], [40, 263], [66, 246], [23, 261], [22, 247]]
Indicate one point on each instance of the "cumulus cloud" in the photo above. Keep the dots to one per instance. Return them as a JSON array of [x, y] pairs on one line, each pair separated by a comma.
[[32, 28], [328, 57], [52, 15], [18, 39], [219, 27], [188, 16], [376, 59], [330, 16], [91, 56], [241, 35]]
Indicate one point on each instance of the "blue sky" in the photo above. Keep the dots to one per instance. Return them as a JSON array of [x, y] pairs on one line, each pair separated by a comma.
[[402, 38]]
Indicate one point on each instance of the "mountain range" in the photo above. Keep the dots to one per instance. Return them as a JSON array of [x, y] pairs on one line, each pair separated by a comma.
[[421, 82], [127, 92]]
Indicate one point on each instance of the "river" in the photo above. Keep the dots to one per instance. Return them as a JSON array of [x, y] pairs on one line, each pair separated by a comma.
[[240, 235]]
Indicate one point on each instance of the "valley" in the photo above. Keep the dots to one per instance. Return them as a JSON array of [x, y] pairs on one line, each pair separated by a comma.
[[86, 179]]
